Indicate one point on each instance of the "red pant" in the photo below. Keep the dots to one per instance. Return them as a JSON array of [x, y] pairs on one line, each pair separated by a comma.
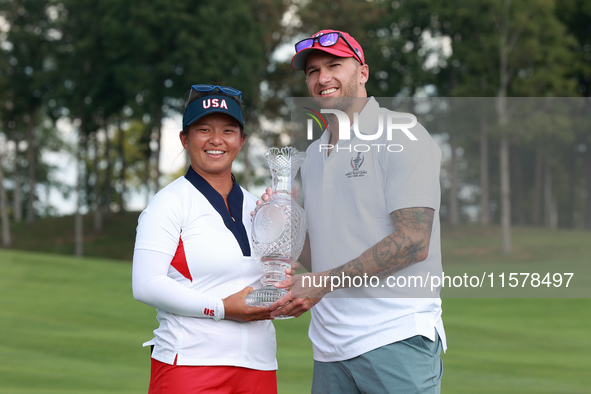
[[188, 379]]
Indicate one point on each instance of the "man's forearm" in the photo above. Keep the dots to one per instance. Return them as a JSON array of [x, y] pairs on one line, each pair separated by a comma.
[[407, 245]]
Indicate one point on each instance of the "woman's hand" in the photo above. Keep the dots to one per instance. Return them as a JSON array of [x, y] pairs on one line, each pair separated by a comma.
[[236, 309]]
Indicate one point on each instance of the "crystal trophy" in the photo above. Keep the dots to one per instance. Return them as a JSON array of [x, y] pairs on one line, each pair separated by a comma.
[[278, 226]]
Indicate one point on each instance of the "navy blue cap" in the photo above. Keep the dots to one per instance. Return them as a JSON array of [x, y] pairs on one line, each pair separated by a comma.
[[212, 104]]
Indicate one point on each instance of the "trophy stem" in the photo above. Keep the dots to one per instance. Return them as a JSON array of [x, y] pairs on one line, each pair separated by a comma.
[[274, 268], [265, 296], [274, 271]]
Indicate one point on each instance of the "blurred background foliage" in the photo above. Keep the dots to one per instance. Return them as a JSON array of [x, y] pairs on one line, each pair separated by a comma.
[[113, 72]]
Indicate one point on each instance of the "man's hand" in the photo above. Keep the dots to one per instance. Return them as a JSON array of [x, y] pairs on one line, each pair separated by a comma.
[[236, 309], [267, 194], [306, 291]]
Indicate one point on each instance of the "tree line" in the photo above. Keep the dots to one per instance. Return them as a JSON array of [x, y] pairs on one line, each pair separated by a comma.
[[114, 70]]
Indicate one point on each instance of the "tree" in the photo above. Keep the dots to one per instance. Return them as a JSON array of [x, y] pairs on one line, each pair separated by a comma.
[[521, 53], [172, 52], [576, 15], [86, 90], [268, 97], [28, 49], [4, 221]]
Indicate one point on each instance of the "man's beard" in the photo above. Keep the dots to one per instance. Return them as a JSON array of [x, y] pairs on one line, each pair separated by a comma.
[[345, 102]]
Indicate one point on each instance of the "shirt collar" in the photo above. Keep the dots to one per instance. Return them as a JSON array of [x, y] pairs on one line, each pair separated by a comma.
[[233, 221]]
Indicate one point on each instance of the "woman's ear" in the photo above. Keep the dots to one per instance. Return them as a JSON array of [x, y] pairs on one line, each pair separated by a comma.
[[184, 139]]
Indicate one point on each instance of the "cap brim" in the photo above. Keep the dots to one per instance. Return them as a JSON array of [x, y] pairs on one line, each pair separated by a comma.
[[213, 111], [298, 62]]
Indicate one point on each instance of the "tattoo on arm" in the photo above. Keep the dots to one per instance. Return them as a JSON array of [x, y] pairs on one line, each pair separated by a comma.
[[407, 245]]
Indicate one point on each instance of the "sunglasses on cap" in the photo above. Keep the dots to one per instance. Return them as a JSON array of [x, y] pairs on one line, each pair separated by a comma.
[[326, 40], [202, 87]]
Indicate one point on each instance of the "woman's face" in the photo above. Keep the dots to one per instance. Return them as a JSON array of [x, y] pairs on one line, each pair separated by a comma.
[[213, 142]]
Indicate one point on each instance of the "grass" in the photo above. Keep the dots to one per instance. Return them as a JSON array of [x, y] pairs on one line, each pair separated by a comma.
[[71, 325], [517, 346]]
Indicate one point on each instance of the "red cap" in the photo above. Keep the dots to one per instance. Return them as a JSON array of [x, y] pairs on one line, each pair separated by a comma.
[[340, 49]]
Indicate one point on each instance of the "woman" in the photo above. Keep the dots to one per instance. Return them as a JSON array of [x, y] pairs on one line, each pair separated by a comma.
[[192, 262]]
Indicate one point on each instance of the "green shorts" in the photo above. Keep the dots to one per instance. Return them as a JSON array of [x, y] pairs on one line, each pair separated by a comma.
[[410, 366]]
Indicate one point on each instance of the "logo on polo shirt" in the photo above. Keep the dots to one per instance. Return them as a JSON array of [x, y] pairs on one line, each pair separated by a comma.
[[356, 163]]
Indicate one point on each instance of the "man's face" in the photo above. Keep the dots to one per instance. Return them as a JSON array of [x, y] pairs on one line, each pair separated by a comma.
[[336, 80]]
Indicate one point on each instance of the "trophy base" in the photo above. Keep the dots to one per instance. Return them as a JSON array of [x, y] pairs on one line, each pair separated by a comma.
[[265, 297]]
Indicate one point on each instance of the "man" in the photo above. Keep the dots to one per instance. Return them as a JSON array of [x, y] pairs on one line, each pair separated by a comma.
[[372, 202]]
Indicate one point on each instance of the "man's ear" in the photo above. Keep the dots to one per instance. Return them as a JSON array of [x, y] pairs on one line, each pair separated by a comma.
[[364, 73]]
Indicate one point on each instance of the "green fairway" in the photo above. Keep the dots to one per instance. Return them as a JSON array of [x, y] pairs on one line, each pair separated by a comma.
[[517, 346], [72, 326]]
